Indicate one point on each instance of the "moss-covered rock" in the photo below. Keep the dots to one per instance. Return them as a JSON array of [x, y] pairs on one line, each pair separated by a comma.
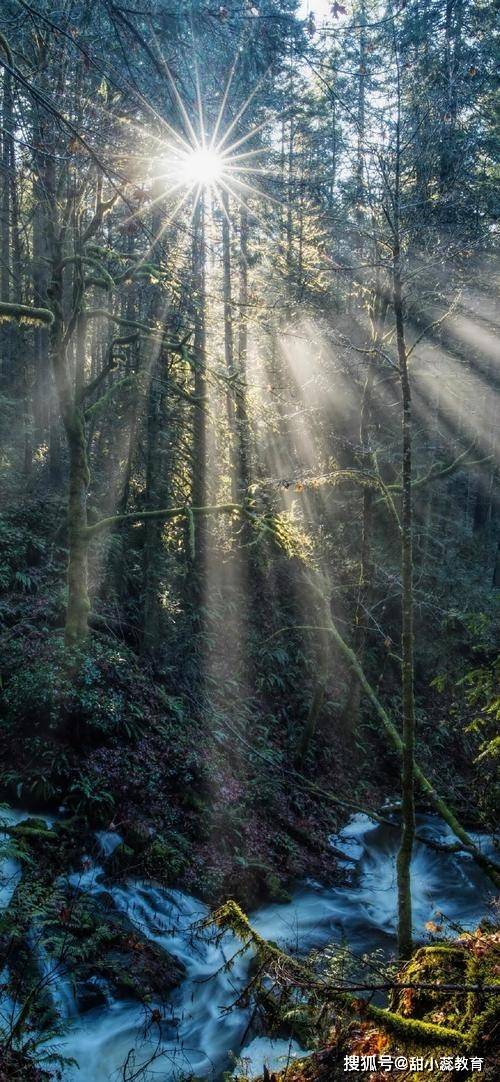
[[101, 949], [121, 860], [449, 963], [275, 890], [138, 836], [35, 832]]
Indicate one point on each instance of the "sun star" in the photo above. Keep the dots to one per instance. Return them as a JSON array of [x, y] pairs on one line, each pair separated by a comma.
[[203, 166]]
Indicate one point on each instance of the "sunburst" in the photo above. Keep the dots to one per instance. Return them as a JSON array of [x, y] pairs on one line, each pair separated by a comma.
[[214, 163], [222, 162]]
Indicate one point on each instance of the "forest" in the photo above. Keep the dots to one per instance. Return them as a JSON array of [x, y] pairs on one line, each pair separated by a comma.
[[250, 547]]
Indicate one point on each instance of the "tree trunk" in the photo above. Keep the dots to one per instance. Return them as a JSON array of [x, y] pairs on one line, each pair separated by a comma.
[[242, 427], [361, 124], [152, 527], [449, 157], [427, 787], [352, 706], [78, 606], [5, 281], [351, 713], [228, 341], [197, 547], [78, 609], [320, 683], [408, 700]]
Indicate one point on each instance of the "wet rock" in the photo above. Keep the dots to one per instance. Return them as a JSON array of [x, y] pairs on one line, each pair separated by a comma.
[[34, 832], [106, 955], [138, 836], [90, 993], [121, 860], [276, 891]]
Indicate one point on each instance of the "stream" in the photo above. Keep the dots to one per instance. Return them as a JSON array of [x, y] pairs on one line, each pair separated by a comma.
[[193, 1037]]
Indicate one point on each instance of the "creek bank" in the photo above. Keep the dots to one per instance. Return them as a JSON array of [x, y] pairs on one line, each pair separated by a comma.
[[473, 1016], [72, 946]]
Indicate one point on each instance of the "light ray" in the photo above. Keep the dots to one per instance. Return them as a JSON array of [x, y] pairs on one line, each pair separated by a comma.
[[201, 120], [244, 138], [243, 108], [222, 205], [253, 213], [141, 211], [224, 101], [246, 154], [234, 170], [168, 221], [250, 188], [182, 108]]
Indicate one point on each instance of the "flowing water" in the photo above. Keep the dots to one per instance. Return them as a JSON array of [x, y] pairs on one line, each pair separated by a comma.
[[196, 1035]]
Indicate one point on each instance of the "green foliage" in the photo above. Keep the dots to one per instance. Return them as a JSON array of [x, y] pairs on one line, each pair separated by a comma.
[[12, 849], [90, 799], [166, 859], [482, 694], [43, 778], [93, 694], [19, 547]]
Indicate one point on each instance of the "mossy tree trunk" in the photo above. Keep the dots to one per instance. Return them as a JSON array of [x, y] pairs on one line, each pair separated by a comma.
[[241, 410], [351, 713], [5, 211], [157, 484], [157, 462], [198, 545], [352, 707], [405, 942], [442, 808], [320, 685], [229, 341], [407, 664], [78, 604], [78, 608]]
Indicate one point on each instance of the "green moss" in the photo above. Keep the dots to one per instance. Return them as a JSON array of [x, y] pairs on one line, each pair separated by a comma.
[[481, 1035], [415, 1030], [439, 963], [302, 976], [23, 313], [34, 832]]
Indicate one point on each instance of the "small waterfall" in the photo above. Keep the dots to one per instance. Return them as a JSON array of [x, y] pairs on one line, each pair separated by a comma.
[[191, 1034], [197, 1033], [108, 841]]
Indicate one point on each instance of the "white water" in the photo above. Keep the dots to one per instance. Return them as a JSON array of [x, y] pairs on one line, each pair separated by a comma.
[[194, 1034]]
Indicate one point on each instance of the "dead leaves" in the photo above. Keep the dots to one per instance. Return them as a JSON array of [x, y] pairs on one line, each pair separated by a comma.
[[481, 943], [368, 1039], [431, 926], [407, 1002]]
